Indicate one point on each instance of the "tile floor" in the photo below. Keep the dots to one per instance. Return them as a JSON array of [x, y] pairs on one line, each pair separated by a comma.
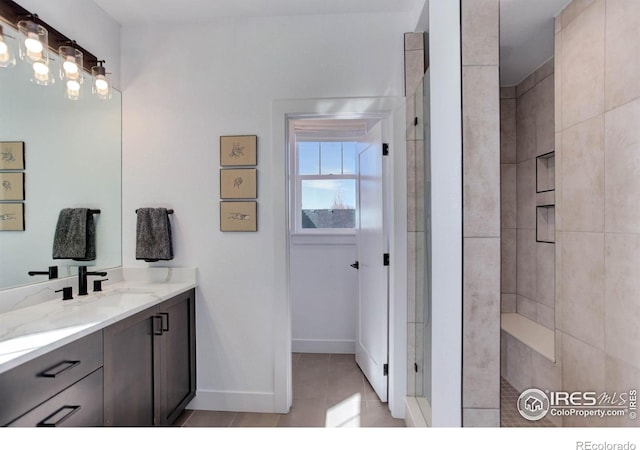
[[328, 391], [509, 415]]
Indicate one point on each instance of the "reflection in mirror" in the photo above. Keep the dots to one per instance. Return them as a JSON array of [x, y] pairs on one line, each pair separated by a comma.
[[72, 160]]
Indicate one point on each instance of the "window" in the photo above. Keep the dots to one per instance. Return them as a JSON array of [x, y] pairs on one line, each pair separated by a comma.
[[325, 185]]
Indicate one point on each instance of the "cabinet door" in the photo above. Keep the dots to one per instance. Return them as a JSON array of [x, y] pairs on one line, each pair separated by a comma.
[[178, 373], [131, 362]]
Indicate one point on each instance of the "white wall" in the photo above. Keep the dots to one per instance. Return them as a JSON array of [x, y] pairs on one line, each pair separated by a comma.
[[86, 23], [185, 85], [324, 297]]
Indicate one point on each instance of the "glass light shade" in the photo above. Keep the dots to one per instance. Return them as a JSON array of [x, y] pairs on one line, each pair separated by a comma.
[[70, 64], [34, 41], [7, 58], [101, 86], [73, 90], [41, 73]]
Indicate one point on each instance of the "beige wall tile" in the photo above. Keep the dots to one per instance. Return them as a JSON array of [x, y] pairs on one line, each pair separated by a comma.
[[582, 286], [544, 70], [476, 417], [545, 316], [519, 369], [507, 92], [508, 196], [525, 85], [557, 180], [480, 32], [413, 70], [526, 192], [508, 261], [411, 186], [623, 52], [414, 41], [481, 323], [557, 81], [411, 276], [508, 303], [526, 126], [420, 269], [621, 377], [583, 369], [481, 151], [583, 66], [622, 262], [545, 374], [573, 10], [410, 107], [420, 183], [503, 351], [508, 131], [526, 263], [583, 176], [411, 358], [526, 307], [546, 274], [622, 162], [583, 366], [544, 92]]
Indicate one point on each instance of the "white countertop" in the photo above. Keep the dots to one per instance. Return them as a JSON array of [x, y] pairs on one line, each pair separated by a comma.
[[30, 331]]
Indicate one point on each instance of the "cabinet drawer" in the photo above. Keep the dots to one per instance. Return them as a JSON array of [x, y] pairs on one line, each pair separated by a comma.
[[30, 384], [80, 405]]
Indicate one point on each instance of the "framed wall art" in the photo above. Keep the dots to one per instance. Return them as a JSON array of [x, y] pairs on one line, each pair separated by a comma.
[[11, 186], [238, 183], [11, 216], [238, 150], [238, 216], [11, 155]]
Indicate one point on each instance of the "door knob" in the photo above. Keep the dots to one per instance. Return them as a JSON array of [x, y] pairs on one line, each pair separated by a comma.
[[355, 265]]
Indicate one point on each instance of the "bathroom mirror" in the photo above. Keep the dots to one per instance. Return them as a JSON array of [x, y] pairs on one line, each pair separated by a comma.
[[72, 152]]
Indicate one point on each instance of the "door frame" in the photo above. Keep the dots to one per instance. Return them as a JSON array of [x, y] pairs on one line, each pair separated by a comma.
[[391, 109]]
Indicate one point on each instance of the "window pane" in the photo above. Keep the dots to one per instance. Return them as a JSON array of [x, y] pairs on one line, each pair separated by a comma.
[[308, 158], [331, 158], [328, 203], [349, 157]]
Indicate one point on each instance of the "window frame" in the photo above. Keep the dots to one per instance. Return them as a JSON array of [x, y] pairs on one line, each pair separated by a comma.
[[296, 186]]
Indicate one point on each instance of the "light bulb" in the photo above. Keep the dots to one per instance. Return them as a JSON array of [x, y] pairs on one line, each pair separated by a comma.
[[102, 85], [70, 67], [34, 46], [73, 90], [4, 51], [40, 68]]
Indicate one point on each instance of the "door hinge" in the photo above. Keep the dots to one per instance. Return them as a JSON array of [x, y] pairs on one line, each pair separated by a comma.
[[385, 259], [415, 367], [385, 369], [385, 149]]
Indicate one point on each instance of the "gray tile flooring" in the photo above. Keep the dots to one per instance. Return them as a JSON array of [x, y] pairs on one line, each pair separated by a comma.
[[328, 391], [509, 415]]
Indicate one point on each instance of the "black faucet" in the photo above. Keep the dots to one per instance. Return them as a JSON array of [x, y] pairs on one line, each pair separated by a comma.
[[52, 272], [82, 279]]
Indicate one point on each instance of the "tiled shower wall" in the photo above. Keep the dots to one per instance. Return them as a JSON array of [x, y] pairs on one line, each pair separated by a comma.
[[598, 219], [481, 213], [528, 267], [415, 66], [526, 132]]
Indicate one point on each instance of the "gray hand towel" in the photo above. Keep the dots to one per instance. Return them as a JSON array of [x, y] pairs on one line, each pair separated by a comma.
[[153, 235], [75, 236]]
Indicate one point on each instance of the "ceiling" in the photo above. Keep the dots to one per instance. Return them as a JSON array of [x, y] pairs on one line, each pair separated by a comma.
[[136, 11], [526, 36], [526, 26]]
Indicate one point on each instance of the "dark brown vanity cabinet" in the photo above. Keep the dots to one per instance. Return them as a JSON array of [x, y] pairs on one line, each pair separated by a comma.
[[60, 388], [149, 364]]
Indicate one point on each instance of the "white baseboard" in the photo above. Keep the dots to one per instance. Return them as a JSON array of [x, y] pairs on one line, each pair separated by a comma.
[[323, 346], [259, 402]]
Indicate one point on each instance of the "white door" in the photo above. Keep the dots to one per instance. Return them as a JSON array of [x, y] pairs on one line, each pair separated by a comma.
[[372, 326]]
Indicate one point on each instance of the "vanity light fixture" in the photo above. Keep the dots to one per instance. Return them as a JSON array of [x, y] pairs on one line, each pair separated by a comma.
[[101, 86], [7, 58], [71, 70], [34, 48]]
